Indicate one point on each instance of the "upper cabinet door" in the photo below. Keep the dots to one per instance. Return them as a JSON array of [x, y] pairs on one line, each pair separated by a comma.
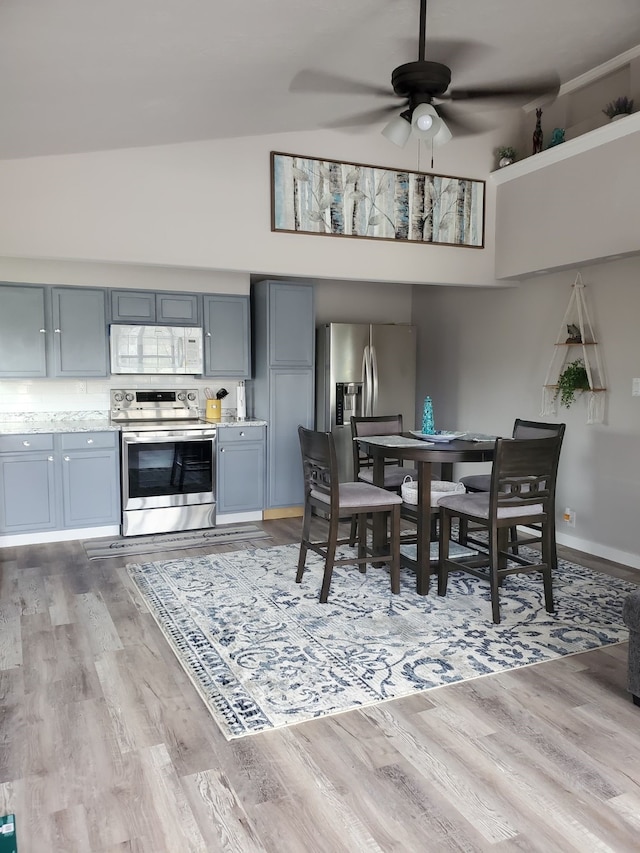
[[23, 331], [227, 340], [133, 306], [79, 332], [291, 325], [178, 309]]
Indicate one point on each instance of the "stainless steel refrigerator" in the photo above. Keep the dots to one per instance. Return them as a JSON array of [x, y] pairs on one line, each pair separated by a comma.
[[363, 369]]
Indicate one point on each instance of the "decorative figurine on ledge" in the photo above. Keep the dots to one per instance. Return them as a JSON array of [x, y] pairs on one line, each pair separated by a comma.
[[574, 334], [538, 136], [557, 137]]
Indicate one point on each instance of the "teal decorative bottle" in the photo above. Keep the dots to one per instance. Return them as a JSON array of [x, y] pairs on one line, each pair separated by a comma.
[[428, 427]]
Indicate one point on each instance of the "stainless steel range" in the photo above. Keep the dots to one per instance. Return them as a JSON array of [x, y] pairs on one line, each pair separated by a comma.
[[168, 457]]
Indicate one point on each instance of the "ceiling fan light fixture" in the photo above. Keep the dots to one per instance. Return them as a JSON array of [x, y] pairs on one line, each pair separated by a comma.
[[443, 136], [425, 121], [398, 130]]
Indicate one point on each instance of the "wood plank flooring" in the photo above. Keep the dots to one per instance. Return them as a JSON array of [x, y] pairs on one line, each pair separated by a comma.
[[106, 746]]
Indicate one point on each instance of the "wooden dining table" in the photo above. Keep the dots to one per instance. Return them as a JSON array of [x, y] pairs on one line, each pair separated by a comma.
[[422, 453]]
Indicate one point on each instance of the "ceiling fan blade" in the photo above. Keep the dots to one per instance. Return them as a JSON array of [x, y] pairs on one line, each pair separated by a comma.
[[460, 125], [517, 92], [323, 82], [368, 117]]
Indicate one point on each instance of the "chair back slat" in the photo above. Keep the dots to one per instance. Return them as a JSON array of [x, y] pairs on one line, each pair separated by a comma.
[[536, 429], [319, 462], [524, 473]]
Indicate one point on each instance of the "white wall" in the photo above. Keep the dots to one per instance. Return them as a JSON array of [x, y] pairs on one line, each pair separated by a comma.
[[483, 357], [207, 205]]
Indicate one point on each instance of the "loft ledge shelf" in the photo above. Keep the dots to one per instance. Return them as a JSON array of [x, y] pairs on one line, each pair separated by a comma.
[[592, 139]]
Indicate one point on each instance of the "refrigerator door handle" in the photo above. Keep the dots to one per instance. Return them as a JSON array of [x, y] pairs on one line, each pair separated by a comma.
[[374, 381], [366, 383]]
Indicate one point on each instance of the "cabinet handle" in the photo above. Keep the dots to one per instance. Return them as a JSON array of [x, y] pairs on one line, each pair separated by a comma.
[[89, 441], [26, 443], [49, 458]]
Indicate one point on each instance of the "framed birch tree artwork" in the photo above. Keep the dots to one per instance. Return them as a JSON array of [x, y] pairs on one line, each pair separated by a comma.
[[336, 199]]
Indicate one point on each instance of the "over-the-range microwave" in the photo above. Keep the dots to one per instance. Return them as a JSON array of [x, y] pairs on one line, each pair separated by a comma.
[[155, 349]]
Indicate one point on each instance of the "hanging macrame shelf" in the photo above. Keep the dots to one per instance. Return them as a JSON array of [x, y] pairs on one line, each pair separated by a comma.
[[577, 325]]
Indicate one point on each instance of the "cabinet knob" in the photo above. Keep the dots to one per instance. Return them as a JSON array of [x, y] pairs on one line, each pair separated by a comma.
[[42, 331], [49, 458], [26, 443], [67, 458], [89, 441], [207, 334], [58, 331], [222, 450], [241, 434]]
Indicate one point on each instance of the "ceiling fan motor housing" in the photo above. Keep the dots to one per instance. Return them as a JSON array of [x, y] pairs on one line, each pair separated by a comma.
[[422, 77]]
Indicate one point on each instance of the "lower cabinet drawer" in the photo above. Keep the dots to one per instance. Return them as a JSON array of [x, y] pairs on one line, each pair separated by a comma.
[[246, 433], [89, 440], [26, 441]]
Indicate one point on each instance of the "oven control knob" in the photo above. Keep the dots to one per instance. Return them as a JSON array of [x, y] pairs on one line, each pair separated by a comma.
[[129, 398], [118, 397], [191, 396], [182, 396]]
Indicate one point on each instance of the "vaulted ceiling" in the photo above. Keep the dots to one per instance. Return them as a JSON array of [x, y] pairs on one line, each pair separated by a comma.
[[83, 75]]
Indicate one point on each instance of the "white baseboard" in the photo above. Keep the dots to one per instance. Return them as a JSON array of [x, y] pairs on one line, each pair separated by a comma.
[[632, 561], [16, 539]]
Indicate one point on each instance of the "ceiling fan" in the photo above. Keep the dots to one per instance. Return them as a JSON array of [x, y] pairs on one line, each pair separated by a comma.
[[424, 87]]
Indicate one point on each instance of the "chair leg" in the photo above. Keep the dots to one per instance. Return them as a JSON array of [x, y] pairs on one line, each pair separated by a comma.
[[329, 559], [353, 533], [395, 550], [463, 531], [513, 539], [304, 542], [443, 551], [494, 578], [362, 540], [548, 553]]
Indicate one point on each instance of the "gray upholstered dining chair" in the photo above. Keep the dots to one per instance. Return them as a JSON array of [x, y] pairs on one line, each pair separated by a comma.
[[522, 491], [336, 500], [482, 483]]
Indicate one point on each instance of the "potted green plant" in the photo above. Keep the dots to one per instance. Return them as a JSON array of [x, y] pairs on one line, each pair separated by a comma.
[[506, 155], [573, 378], [620, 107]]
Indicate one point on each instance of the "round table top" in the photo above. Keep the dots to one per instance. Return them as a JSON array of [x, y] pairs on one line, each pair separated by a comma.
[[406, 446]]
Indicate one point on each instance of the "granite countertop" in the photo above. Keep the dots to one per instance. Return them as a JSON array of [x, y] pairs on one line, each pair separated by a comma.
[[29, 423]]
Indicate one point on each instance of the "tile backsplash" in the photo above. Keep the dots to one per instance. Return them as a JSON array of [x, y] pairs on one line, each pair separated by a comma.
[[82, 395]]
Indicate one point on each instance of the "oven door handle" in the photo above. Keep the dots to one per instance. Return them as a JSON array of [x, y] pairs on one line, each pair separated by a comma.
[[161, 438]]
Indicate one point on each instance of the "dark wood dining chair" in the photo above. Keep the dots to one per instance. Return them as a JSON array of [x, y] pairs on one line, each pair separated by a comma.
[[335, 500], [394, 471], [522, 492], [522, 429]]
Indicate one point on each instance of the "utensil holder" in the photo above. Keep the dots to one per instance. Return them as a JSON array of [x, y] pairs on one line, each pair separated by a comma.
[[213, 411]]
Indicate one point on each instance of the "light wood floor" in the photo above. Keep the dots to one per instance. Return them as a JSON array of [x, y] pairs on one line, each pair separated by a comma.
[[106, 746]]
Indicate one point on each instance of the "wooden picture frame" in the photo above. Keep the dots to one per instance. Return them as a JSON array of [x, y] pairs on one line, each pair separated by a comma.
[[330, 198]]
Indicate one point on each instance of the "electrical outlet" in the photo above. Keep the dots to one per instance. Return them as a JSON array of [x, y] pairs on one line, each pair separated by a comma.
[[569, 517], [635, 387], [81, 386]]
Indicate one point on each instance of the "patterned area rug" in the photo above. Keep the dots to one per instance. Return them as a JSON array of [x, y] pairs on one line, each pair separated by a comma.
[[264, 653]]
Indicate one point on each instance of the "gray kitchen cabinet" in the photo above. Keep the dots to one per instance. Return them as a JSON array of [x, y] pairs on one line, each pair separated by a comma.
[[52, 331], [240, 469], [27, 483], [57, 481], [23, 328], [79, 316], [282, 391], [152, 307], [227, 336], [90, 478]]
